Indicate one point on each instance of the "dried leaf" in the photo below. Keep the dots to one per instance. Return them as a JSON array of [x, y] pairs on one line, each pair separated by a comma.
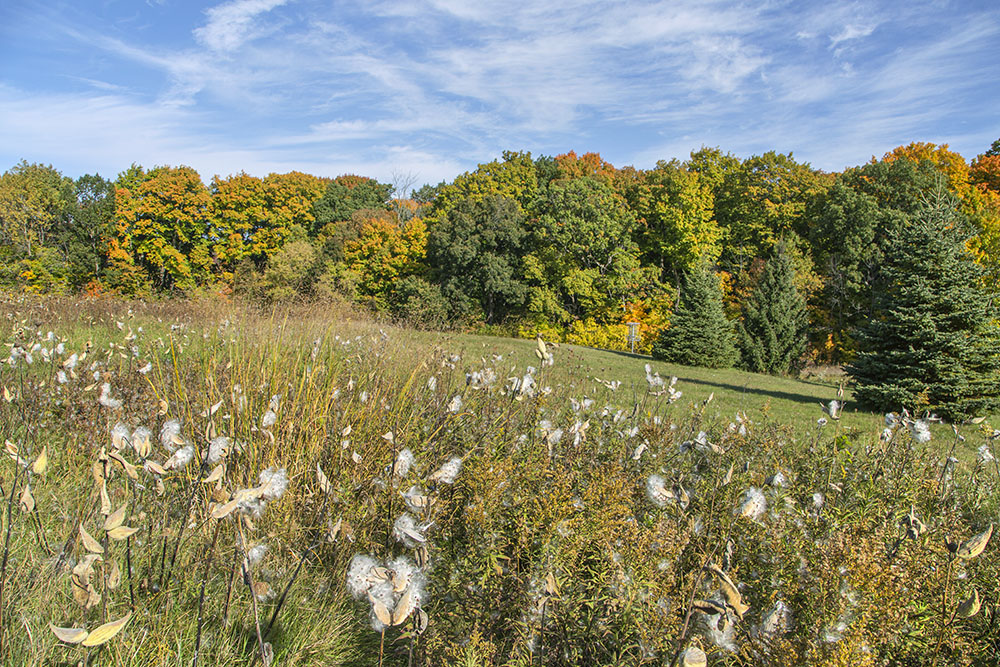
[[69, 635], [155, 468], [729, 475], [107, 631], [129, 469]]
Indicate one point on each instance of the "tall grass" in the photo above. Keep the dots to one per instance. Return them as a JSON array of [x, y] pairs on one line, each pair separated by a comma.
[[449, 509]]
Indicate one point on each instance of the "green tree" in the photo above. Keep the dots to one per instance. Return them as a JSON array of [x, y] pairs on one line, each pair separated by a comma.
[[475, 252], [83, 236], [585, 260], [675, 206], [772, 331], [932, 343], [699, 333], [347, 194]]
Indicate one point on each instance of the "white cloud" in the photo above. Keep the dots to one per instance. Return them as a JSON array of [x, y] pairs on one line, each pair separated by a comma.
[[233, 23]]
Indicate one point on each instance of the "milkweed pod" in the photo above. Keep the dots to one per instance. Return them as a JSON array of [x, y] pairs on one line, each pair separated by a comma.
[[215, 475], [405, 606], [115, 576], [105, 499], [693, 657], [970, 607], [27, 501], [551, 585], [106, 632], [41, 463], [975, 545], [324, 482], [116, 519], [69, 635], [89, 543], [122, 533], [381, 611]]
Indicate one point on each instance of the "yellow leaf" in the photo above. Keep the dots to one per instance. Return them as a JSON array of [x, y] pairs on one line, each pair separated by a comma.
[[105, 632]]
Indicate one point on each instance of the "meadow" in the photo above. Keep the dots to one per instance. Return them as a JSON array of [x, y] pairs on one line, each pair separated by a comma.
[[195, 483]]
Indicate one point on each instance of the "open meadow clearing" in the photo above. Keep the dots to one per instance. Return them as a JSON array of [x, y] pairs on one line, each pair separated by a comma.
[[186, 482]]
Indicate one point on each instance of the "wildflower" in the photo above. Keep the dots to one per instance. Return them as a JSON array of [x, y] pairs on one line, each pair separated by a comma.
[[180, 459], [447, 473]]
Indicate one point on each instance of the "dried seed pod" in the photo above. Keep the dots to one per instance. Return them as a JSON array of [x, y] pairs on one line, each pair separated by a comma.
[[975, 545], [693, 657], [69, 635], [970, 607], [107, 631]]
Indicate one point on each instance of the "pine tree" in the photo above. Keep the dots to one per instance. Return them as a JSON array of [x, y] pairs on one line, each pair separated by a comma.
[[933, 343], [772, 334], [699, 333]]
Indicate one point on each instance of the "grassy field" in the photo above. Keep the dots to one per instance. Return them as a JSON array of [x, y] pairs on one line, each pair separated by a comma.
[[200, 483]]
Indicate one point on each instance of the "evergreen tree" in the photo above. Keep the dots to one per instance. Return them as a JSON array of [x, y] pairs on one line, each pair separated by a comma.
[[699, 333], [772, 334], [933, 342]]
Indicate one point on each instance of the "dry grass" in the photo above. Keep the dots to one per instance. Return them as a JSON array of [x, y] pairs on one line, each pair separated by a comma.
[[579, 529]]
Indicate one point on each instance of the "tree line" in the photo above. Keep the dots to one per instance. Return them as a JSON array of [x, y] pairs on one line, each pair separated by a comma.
[[788, 262]]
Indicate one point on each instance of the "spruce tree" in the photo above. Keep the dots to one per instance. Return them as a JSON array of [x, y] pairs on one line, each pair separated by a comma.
[[699, 332], [933, 342], [772, 334]]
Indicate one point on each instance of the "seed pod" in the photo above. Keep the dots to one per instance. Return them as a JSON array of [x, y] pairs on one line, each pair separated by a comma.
[[975, 545], [105, 632], [970, 607]]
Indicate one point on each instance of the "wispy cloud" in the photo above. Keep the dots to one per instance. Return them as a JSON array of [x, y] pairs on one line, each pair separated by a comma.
[[261, 84]]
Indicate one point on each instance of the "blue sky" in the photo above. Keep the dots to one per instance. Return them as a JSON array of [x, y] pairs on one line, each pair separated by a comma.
[[425, 89]]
